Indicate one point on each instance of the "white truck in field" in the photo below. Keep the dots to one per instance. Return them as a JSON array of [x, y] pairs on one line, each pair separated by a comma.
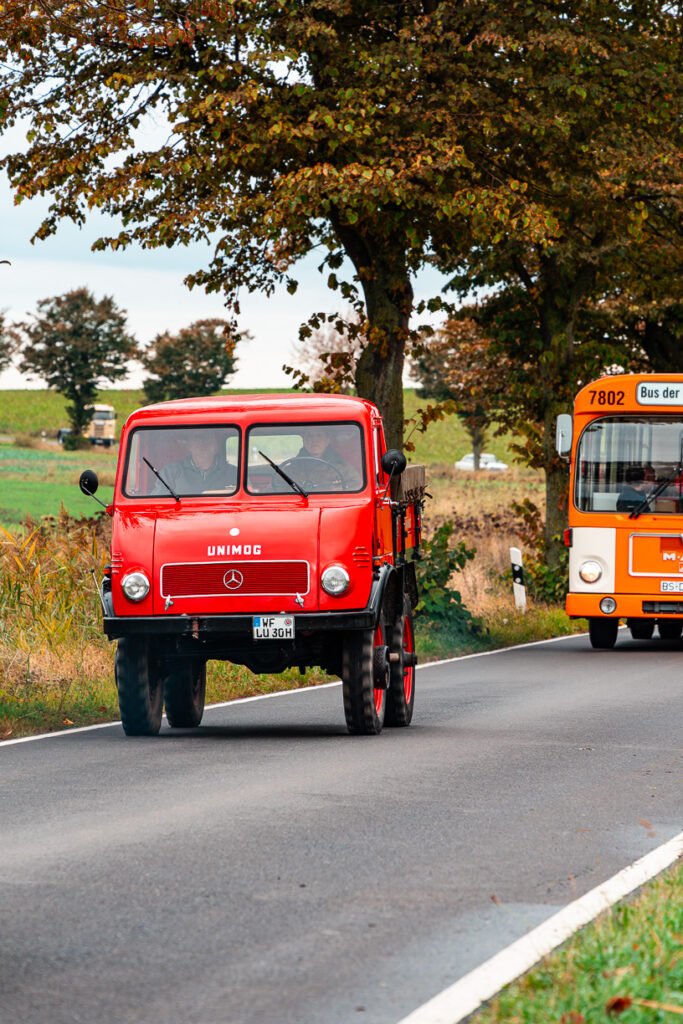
[[102, 426]]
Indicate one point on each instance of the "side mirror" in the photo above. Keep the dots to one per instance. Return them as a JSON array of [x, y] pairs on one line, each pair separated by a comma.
[[563, 434], [393, 462], [88, 482]]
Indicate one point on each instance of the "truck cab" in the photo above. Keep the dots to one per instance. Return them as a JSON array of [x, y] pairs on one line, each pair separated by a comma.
[[266, 530]]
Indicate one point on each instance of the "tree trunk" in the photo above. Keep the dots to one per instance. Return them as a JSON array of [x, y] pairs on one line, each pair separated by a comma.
[[556, 490], [478, 438], [388, 303], [558, 307]]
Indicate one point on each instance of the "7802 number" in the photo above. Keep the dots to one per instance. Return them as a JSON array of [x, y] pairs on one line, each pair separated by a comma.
[[599, 396]]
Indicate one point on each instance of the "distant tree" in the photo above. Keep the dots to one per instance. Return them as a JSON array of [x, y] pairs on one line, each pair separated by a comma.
[[76, 343], [327, 360], [457, 367], [7, 344], [196, 361]]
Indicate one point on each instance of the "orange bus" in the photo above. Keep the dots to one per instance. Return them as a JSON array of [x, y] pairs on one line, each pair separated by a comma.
[[625, 535]]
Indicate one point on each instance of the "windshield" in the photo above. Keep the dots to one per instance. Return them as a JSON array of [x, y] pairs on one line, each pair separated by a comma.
[[103, 414], [317, 457], [623, 461], [189, 460]]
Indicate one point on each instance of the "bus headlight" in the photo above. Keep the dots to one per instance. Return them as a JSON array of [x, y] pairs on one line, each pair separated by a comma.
[[335, 580], [590, 572], [135, 586]]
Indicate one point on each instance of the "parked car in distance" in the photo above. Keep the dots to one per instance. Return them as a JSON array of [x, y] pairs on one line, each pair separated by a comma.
[[486, 461]]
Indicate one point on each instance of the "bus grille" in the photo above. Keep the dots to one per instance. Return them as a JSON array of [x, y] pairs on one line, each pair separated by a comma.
[[220, 579]]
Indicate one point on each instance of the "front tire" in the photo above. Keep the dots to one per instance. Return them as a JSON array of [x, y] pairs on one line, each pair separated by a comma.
[[364, 703], [641, 629], [140, 686], [603, 633], [401, 695], [670, 629], [185, 693]]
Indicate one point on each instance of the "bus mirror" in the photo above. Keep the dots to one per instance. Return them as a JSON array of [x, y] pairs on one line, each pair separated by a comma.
[[563, 434]]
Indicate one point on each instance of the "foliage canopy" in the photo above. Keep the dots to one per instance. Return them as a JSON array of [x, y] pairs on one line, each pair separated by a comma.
[[382, 135]]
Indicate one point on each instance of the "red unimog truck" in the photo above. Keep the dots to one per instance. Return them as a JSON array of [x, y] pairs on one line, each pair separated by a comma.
[[266, 530]]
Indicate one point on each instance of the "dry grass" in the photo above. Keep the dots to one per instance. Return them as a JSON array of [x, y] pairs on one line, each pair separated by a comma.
[[480, 507]]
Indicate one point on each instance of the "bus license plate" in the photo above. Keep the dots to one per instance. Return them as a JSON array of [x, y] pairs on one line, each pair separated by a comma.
[[671, 587], [273, 627]]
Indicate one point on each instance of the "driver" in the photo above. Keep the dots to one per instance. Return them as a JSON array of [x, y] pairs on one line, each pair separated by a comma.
[[204, 468], [317, 445], [636, 488]]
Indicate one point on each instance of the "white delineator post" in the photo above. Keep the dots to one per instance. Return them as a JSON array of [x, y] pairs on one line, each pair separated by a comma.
[[518, 588]]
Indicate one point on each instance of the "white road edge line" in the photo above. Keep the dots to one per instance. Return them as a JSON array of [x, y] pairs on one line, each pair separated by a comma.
[[467, 995], [287, 693]]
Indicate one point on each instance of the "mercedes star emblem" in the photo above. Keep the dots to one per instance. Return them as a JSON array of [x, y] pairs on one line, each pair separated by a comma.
[[233, 579]]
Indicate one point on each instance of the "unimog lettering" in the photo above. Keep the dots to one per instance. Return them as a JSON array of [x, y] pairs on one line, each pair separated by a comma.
[[224, 550]]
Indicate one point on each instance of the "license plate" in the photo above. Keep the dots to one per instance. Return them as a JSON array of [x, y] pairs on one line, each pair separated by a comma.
[[274, 627], [671, 587]]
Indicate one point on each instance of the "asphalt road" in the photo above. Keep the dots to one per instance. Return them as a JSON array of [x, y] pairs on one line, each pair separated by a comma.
[[269, 868]]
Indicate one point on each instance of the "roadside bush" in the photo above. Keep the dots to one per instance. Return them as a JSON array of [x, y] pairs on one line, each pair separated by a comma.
[[543, 582], [440, 561], [27, 441]]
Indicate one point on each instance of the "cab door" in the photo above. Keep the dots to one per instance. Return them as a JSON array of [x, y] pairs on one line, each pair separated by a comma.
[[383, 542]]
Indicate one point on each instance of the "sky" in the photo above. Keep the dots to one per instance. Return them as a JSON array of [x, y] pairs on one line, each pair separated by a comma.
[[148, 285]]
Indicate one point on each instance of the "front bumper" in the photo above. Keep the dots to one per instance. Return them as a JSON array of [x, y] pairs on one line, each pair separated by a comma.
[[629, 606], [116, 626]]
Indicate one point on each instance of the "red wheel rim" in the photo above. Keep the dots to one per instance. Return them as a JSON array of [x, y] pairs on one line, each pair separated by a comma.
[[408, 648], [380, 695]]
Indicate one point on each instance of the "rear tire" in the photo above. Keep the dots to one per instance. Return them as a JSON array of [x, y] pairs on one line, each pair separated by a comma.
[[641, 629], [670, 629], [140, 686], [185, 693], [603, 633], [364, 705], [401, 695]]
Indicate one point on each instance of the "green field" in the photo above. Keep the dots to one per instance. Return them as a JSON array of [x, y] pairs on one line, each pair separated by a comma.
[[37, 480]]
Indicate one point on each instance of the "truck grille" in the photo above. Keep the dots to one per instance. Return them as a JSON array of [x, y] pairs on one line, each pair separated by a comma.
[[220, 579]]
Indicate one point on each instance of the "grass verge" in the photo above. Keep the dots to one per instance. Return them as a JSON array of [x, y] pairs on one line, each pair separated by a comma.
[[626, 966]]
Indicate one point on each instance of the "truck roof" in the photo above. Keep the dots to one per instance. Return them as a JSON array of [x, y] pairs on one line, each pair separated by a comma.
[[289, 403]]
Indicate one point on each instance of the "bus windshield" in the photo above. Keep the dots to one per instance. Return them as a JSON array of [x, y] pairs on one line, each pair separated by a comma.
[[629, 463]]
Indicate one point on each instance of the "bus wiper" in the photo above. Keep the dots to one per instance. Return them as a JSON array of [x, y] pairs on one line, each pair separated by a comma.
[[167, 486], [292, 483], [645, 503]]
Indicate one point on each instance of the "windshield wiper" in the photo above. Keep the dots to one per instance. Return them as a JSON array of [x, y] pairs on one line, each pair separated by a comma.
[[292, 483], [645, 503], [167, 486]]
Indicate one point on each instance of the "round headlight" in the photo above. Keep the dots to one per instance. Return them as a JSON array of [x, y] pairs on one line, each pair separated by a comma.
[[608, 605], [335, 580], [590, 572], [135, 586]]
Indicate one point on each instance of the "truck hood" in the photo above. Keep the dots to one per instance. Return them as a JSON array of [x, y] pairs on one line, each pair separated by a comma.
[[223, 561]]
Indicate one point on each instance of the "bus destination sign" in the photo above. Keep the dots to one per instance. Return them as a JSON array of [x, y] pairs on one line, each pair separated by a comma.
[[659, 392]]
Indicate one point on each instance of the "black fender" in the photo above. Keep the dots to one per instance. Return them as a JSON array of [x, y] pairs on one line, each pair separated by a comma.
[[387, 593]]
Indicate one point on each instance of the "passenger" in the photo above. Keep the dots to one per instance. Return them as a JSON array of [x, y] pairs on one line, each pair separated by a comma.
[[316, 445], [203, 469], [637, 488]]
